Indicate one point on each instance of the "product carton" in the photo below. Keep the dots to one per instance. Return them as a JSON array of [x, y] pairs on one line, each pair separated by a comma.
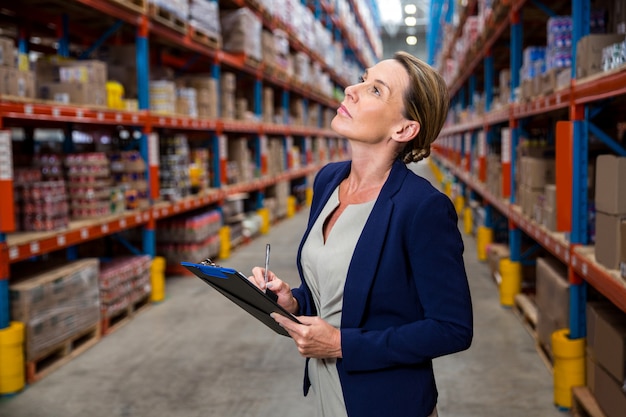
[[552, 299], [608, 245], [74, 93], [608, 392], [589, 52], [7, 53], [606, 335], [610, 184]]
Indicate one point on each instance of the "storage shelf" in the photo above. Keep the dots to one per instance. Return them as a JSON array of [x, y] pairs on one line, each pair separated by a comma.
[[23, 245], [608, 282], [580, 258]]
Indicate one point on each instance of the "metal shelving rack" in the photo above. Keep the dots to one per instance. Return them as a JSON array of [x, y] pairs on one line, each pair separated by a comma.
[[572, 246], [17, 247]]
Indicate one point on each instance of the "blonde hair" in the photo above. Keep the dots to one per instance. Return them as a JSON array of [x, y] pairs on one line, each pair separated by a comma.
[[426, 101]]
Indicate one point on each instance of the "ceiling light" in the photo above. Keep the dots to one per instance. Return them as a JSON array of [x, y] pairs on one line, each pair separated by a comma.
[[410, 21], [410, 9], [411, 40]]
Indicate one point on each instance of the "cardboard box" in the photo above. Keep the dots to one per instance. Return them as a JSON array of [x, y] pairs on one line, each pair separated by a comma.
[[608, 245], [552, 300], [610, 184], [74, 93], [536, 173], [7, 53], [606, 337], [589, 52], [608, 393]]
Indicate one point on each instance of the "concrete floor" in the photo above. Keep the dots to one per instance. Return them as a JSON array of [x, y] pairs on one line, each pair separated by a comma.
[[196, 354]]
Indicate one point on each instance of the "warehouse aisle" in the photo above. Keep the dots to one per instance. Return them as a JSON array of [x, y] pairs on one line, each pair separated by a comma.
[[195, 354]]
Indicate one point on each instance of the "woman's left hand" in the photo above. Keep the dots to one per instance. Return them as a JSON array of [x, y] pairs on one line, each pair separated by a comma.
[[315, 338]]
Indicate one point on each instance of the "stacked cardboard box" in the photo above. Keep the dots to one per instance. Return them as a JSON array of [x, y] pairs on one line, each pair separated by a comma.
[[123, 282], [71, 81], [552, 300], [606, 357], [534, 174], [206, 93], [56, 302], [589, 52], [241, 157], [14, 80], [610, 201], [241, 32], [228, 86], [268, 105]]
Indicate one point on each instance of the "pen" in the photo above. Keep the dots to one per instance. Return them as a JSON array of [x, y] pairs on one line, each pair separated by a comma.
[[267, 261]]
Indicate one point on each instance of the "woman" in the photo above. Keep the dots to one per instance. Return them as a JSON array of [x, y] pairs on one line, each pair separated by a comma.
[[384, 289]]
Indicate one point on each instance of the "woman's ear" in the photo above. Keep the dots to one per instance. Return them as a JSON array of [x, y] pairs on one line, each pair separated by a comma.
[[407, 131]]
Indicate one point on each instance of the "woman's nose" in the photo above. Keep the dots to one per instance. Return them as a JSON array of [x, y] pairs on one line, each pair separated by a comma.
[[351, 92]]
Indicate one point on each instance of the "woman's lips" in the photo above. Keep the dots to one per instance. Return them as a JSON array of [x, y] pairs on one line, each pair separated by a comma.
[[342, 109]]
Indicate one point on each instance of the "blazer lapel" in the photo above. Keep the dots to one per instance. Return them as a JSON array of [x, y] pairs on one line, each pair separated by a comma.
[[365, 259]]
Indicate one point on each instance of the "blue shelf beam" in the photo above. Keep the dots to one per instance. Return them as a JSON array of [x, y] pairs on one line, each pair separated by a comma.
[[98, 43]]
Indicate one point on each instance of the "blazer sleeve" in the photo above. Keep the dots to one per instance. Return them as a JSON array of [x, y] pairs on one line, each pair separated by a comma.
[[435, 255]]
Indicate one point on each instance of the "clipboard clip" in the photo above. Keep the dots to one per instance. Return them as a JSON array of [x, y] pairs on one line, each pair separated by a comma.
[[209, 262]]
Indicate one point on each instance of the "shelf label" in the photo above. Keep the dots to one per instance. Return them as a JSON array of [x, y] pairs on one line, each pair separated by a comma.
[[28, 109], [118, 117], [14, 252], [34, 247], [61, 240], [80, 114], [104, 228], [123, 223], [84, 233], [56, 112], [506, 146], [100, 116]]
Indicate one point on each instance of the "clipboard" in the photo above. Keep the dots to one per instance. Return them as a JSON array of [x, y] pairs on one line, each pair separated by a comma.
[[236, 287]]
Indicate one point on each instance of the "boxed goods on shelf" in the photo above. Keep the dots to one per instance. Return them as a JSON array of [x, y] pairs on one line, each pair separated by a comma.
[[174, 167], [123, 282], [163, 97], [191, 237], [243, 167], [206, 93], [8, 53], [56, 302], [72, 81], [200, 169], [589, 52], [89, 185], [610, 204], [228, 86], [606, 356], [129, 173], [552, 300], [241, 32], [186, 102], [44, 206]]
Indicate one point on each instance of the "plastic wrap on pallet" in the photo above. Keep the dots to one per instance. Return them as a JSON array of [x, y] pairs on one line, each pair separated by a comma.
[[55, 302], [204, 15], [179, 8], [123, 281], [241, 32]]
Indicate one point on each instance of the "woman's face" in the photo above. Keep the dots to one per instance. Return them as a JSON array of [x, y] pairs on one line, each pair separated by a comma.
[[373, 108]]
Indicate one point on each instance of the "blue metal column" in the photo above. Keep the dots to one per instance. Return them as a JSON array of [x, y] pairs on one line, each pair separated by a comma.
[[215, 139], [581, 18], [515, 234], [436, 7], [143, 95], [64, 37]]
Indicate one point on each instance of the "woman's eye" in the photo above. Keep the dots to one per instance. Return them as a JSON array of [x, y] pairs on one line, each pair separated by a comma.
[[361, 80]]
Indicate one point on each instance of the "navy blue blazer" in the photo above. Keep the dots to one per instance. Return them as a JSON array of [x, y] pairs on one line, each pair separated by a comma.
[[406, 297]]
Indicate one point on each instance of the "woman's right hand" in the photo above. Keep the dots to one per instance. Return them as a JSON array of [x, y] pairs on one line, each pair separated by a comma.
[[275, 285]]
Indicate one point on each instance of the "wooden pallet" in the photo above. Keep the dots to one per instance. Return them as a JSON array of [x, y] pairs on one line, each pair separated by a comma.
[[213, 41], [118, 319], [584, 403], [525, 309], [62, 353], [139, 6], [167, 18]]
